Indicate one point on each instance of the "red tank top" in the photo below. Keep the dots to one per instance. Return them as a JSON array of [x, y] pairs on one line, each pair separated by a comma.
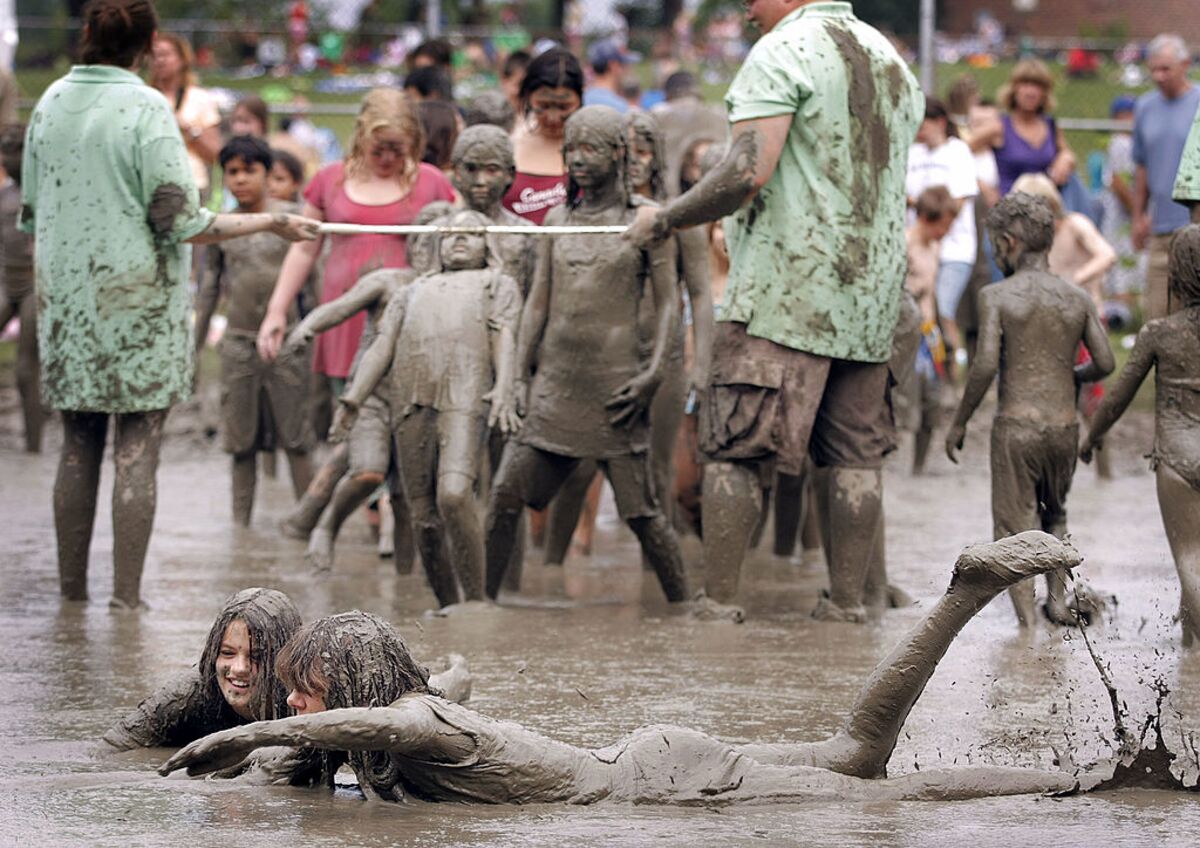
[[533, 195]]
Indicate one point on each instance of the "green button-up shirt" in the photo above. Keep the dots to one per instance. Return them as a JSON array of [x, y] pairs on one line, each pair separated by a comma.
[[108, 193], [1187, 179], [818, 257]]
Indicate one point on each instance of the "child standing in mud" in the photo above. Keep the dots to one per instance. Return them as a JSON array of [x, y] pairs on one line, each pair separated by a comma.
[[17, 297], [1171, 346], [448, 340], [591, 393], [1031, 326], [256, 396]]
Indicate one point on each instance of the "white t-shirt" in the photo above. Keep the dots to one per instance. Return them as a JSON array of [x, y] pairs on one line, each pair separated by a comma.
[[952, 165]]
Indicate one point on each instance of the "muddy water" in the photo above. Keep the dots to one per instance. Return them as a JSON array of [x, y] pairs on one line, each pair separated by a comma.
[[571, 663]]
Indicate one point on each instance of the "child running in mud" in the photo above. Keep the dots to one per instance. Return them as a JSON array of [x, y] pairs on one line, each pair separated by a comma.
[[234, 683], [1170, 346], [920, 381], [256, 396], [448, 340], [361, 697], [17, 296], [1031, 326]]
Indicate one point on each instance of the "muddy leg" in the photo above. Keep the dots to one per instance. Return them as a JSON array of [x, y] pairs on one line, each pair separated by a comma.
[[789, 500], [350, 494], [924, 437], [137, 438], [1180, 507], [28, 375], [243, 487], [456, 504], [731, 505], [516, 563], [300, 466], [855, 504], [875, 589], [305, 515], [270, 466], [566, 510], [75, 497], [810, 528], [430, 538], [403, 550], [865, 742], [660, 546]]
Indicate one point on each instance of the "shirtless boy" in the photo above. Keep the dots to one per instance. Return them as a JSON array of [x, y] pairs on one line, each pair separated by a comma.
[[253, 391], [1031, 325], [591, 394]]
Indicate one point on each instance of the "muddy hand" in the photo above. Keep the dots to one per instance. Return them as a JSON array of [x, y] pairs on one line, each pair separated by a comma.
[[295, 227], [270, 336], [297, 340], [343, 422], [1087, 448], [647, 228], [520, 395], [630, 400], [954, 442], [503, 413], [214, 752]]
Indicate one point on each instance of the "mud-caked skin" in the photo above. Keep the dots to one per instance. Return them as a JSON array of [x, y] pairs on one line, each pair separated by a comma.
[[590, 395], [1171, 347], [1031, 326]]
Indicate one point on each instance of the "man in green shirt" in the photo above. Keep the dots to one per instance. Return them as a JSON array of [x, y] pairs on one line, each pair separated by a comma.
[[108, 193], [1187, 179], [823, 112]]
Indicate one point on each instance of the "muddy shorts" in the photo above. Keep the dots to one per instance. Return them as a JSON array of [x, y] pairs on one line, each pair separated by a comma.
[[371, 438], [248, 384], [773, 405], [459, 437], [534, 476], [1032, 467]]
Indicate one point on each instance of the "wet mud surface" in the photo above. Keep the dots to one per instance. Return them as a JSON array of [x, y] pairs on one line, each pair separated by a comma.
[[565, 659]]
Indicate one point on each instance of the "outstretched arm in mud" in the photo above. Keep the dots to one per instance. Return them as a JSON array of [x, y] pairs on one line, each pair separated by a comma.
[[408, 729], [1120, 394], [754, 152], [368, 289], [693, 252], [371, 368], [1096, 341], [633, 398], [983, 371]]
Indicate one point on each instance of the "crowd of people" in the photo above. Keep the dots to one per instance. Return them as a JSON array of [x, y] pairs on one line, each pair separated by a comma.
[[699, 307]]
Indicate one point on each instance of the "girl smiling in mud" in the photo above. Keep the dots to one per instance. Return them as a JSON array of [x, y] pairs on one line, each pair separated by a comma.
[[362, 698]]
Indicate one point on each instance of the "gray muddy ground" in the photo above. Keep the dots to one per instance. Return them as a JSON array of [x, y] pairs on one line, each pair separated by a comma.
[[567, 660]]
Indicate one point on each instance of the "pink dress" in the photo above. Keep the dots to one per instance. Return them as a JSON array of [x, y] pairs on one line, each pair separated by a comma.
[[352, 256]]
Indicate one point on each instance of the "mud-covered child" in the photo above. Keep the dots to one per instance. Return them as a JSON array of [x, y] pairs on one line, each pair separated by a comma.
[[1031, 326], [919, 378], [242, 274], [1171, 346]]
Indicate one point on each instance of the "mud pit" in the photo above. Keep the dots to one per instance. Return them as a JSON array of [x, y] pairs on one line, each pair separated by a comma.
[[588, 672]]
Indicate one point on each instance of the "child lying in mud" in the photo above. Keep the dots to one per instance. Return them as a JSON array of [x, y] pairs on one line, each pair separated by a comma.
[[342, 670], [1171, 346], [233, 683]]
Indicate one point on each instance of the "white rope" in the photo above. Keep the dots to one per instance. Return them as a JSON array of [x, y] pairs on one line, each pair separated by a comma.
[[499, 229]]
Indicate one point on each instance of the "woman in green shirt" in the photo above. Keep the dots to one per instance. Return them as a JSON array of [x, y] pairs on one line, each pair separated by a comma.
[[110, 198]]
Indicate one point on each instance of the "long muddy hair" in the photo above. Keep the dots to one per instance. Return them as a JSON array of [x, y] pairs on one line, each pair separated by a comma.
[[605, 124], [271, 620], [386, 108], [645, 127], [1184, 272], [354, 659]]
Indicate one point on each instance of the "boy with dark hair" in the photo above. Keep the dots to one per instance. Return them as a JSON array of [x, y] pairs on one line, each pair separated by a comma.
[[253, 391], [1031, 326]]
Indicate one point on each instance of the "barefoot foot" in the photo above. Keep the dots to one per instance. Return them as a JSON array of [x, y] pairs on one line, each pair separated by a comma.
[[704, 608]]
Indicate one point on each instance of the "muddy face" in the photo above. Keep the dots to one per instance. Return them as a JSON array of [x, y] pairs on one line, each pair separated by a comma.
[[463, 251], [640, 162], [237, 673], [590, 164], [306, 703], [246, 181], [481, 180]]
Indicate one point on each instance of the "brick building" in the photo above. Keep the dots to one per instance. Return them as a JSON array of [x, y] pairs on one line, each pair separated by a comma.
[[1139, 19]]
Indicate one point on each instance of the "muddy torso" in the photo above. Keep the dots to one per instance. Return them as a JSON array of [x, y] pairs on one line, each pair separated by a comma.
[[590, 345], [174, 715], [1042, 318], [16, 247], [1177, 393], [250, 266], [443, 356]]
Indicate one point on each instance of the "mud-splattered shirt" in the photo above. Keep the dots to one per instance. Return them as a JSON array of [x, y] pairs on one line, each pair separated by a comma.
[[1187, 181], [817, 259], [108, 193]]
